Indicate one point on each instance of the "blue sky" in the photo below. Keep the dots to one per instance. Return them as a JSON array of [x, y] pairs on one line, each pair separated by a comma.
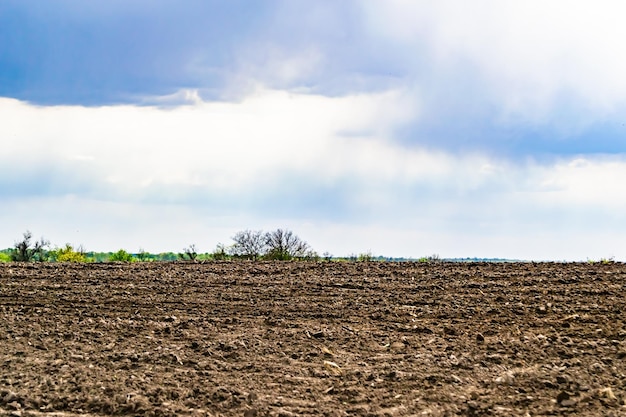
[[404, 128]]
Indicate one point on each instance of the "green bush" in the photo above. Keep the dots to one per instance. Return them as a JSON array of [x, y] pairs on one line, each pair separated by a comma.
[[121, 256], [4, 257], [365, 257], [434, 258], [220, 253], [189, 254], [278, 255], [68, 254], [167, 256], [144, 256]]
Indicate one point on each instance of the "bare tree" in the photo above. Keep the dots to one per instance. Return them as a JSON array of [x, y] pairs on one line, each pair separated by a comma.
[[24, 251], [284, 245], [249, 244]]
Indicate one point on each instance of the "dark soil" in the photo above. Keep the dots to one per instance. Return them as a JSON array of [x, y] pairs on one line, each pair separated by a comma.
[[337, 339]]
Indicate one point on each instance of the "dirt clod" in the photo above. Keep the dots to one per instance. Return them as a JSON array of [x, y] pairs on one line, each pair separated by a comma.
[[562, 396]]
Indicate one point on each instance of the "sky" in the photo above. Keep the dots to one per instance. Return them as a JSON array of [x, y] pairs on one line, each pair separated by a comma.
[[403, 128]]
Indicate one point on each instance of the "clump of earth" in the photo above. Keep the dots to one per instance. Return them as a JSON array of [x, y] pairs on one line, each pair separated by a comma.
[[299, 338]]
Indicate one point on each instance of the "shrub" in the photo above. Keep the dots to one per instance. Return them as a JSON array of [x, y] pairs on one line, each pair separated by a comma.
[[603, 261], [5, 257], [311, 255], [143, 256], [167, 256], [189, 253], [121, 256], [434, 258], [220, 253], [365, 257], [25, 251], [68, 254]]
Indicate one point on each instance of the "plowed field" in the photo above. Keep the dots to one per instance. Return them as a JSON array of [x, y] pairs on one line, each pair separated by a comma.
[[297, 338]]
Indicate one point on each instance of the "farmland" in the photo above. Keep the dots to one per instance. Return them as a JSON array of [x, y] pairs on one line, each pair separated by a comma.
[[313, 338]]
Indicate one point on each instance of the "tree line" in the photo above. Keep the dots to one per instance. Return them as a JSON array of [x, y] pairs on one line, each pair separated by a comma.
[[253, 245], [279, 244]]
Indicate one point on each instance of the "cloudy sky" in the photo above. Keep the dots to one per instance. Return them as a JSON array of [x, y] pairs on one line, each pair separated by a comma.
[[401, 127]]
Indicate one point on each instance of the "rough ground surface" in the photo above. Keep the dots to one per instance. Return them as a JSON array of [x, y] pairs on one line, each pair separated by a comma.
[[337, 339]]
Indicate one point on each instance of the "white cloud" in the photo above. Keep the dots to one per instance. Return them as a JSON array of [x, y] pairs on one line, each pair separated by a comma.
[[532, 55], [327, 167], [214, 144], [585, 181]]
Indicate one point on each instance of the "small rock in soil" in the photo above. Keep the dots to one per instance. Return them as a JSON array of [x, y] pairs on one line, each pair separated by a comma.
[[562, 396], [397, 346], [14, 405], [562, 379], [607, 393]]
